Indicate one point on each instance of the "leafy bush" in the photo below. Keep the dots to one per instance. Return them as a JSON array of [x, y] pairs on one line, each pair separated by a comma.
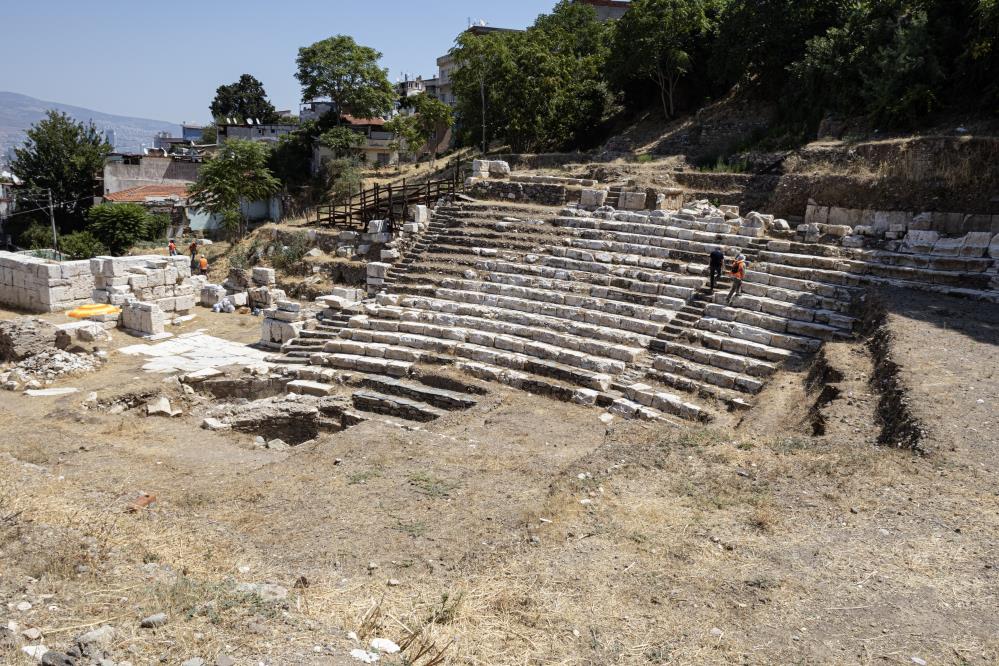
[[156, 227], [118, 226], [81, 245], [36, 237], [287, 257]]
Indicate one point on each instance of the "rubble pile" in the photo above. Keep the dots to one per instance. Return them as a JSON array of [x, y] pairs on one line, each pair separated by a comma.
[[45, 367], [24, 337]]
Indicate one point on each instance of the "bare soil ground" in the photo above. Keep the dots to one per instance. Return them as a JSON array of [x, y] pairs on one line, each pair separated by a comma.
[[524, 531]]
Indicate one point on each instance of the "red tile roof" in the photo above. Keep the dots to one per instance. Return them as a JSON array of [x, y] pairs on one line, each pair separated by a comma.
[[144, 193], [351, 120]]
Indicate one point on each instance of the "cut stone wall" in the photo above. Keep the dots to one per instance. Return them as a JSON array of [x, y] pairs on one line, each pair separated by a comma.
[[163, 281], [899, 221], [38, 285]]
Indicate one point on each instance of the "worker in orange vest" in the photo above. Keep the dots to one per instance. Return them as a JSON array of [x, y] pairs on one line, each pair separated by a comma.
[[172, 248], [203, 265], [738, 274]]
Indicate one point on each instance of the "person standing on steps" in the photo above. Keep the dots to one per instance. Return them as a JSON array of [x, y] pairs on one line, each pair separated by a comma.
[[203, 265], [738, 274], [716, 263]]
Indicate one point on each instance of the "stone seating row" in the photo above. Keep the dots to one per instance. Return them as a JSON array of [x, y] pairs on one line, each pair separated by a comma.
[[614, 336], [669, 302], [651, 314], [720, 359], [642, 282], [773, 323], [659, 248], [634, 267], [669, 229], [742, 347], [752, 333], [506, 351], [392, 320], [787, 311], [708, 374]]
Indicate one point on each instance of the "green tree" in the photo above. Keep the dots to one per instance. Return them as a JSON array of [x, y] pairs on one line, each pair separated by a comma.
[[341, 179], [655, 41], [209, 135], [81, 245], [290, 160], [237, 173], [118, 226], [243, 100], [433, 116], [409, 135], [64, 157], [346, 73], [342, 141], [539, 89]]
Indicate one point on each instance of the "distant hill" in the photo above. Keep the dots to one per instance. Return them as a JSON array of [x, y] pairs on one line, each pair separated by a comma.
[[19, 112]]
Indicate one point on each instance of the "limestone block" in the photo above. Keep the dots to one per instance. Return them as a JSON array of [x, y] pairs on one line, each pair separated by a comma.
[[853, 241], [591, 198], [419, 214], [730, 212], [144, 318], [389, 255], [378, 226], [632, 201], [920, 242], [212, 294], [498, 169], [839, 231], [239, 299], [378, 269], [976, 244]]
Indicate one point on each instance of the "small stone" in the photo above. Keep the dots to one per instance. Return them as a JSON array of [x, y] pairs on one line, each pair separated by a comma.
[[224, 660], [23, 606], [384, 645], [32, 634], [918, 661], [854, 510], [194, 661], [394, 582], [53, 658], [260, 441], [153, 621], [716, 632], [161, 407], [372, 566], [278, 445], [36, 652]]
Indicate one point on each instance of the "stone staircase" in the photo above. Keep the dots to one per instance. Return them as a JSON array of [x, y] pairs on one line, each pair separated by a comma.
[[609, 309]]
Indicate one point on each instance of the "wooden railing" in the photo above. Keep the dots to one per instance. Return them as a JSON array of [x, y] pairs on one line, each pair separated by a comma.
[[388, 202]]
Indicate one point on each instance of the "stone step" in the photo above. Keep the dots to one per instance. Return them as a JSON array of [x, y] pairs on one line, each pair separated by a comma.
[[732, 399], [726, 379], [399, 407], [720, 359], [440, 398]]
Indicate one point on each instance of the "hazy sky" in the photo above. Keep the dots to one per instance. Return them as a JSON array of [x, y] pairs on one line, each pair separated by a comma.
[[164, 60]]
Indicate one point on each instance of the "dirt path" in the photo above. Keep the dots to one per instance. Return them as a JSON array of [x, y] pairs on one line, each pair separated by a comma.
[[524, 530]]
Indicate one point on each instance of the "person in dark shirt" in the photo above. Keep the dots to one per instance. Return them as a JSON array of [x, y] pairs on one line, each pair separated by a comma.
[[716, 265]]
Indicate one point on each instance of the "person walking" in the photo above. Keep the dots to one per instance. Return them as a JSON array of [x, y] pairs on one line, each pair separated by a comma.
[[172, 248], [203, 265], [716, 264], [738, 274]]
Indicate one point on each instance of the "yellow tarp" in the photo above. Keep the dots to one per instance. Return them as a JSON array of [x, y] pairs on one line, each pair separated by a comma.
[[93, 310]]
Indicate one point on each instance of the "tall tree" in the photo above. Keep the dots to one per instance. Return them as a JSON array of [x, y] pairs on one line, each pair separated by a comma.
[[242, 100], [433, 116], [237, 173], [655, 40], [63, 156], [409, 136], [346, 73]]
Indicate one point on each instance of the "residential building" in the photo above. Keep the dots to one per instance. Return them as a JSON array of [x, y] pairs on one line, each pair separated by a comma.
[[174, 200], [378, 148], [192, 133], [8, 201], [410, 87], [607, 10], [254, 132], [314, 110], [127, 171]]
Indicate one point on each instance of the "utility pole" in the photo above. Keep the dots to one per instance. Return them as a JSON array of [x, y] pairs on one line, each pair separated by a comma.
[[55, 237]]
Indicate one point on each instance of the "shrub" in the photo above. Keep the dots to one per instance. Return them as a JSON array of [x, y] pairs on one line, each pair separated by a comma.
[[36, 237], [287, 257], [81, 245], [118, 226]]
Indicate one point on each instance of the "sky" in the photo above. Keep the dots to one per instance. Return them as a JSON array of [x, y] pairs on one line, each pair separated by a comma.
[[164, 60]]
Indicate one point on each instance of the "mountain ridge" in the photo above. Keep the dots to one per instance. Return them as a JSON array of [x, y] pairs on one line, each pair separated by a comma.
[[19, 112]]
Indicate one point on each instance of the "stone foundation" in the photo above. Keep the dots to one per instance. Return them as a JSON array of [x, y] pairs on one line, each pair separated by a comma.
[[37, 285]]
